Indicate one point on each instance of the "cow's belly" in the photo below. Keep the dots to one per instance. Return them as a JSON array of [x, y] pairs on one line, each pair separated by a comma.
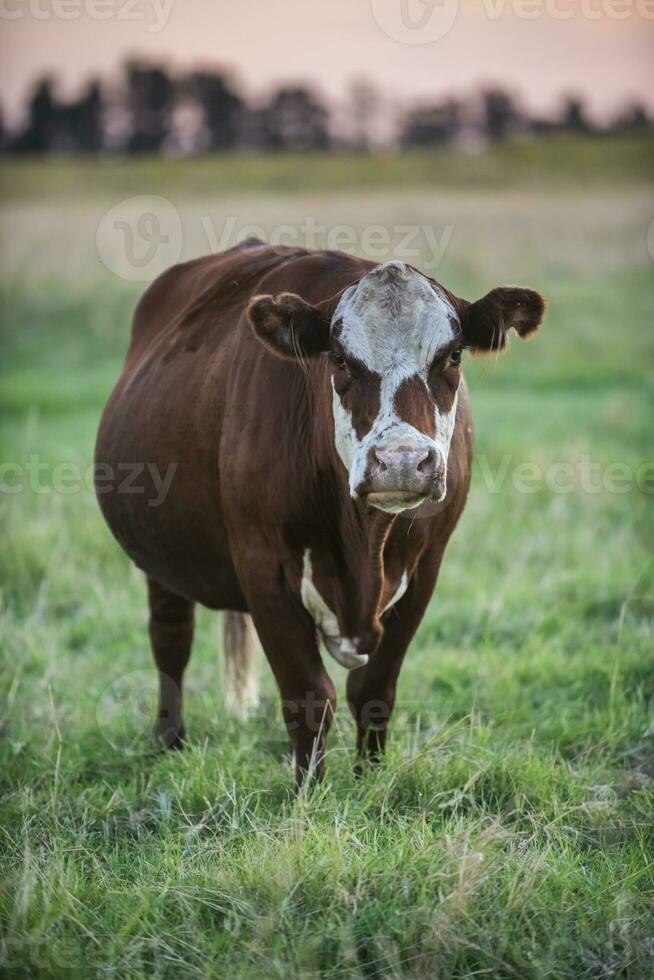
[[342, 648], [190, 564], [174, 533]]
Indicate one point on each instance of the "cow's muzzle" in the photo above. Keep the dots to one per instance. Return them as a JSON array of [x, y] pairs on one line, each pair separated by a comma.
[[402, 475]]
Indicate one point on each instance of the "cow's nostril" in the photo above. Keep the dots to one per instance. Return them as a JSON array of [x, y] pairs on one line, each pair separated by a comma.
[[427, 461], [380, 461]]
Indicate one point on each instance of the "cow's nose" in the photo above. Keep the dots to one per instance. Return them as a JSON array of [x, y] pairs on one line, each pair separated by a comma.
[[401, 471], [408, 461]]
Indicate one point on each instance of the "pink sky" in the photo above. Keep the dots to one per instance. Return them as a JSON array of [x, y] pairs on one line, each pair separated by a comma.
[[533, 46]]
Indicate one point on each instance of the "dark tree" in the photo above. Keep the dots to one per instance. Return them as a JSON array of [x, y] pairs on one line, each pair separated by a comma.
[[253, 132], [633, 119], [39, 131], [573, 117], [150, 97], [500, 114], [222, 108], [78, 125], [432, 125], [295, 120], [90, 111]]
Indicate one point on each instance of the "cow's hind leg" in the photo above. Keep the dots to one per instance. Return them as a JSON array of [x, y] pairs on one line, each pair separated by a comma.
[[171, 636]]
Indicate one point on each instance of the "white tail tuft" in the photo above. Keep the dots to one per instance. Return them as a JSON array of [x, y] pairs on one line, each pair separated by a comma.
[[240, 663]]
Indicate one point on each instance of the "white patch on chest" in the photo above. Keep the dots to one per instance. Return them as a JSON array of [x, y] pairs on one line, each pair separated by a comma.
[[342, 649], [399, 592]]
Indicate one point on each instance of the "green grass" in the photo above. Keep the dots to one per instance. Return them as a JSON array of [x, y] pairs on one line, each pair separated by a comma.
[[510, 831]]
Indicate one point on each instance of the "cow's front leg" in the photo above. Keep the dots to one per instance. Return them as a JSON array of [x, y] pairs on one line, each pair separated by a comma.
[[288, 637], [307, 692], [308, 706], [371, 689]]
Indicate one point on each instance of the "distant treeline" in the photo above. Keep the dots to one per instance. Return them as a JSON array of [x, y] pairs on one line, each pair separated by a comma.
[[152, 111]]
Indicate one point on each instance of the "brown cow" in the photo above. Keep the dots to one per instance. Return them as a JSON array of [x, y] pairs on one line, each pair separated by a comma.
[[294, 472]]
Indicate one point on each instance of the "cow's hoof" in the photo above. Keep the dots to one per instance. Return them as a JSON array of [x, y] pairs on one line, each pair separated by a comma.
[[367, 763], [167, 738]]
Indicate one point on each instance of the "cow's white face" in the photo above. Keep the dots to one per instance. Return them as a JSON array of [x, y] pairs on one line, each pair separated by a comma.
[[396, 345]]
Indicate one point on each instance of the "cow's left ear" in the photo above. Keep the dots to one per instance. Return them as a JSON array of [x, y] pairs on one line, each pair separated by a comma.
[[486, 323], [288, 326]]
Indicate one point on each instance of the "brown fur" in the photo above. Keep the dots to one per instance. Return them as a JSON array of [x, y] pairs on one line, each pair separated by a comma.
[[360, 394], [288, 326], [486, 323], [413, 404]]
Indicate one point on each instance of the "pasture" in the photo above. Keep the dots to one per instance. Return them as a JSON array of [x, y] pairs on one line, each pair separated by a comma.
[[509, 832]]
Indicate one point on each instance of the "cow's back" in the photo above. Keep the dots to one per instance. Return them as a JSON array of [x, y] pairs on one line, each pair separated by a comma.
[[182, 296]]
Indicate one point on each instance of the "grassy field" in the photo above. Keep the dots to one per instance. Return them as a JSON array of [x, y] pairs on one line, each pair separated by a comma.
[[510, 831]]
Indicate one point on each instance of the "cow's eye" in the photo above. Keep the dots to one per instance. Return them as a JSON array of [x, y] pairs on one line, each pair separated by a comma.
[[337, 359], [455, 356]]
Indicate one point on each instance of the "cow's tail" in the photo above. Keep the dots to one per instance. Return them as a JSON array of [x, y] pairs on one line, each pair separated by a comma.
[[240, 663]]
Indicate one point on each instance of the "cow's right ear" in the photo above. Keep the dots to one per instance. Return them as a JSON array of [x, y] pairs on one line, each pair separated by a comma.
[[288, 326], [486, 323]]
